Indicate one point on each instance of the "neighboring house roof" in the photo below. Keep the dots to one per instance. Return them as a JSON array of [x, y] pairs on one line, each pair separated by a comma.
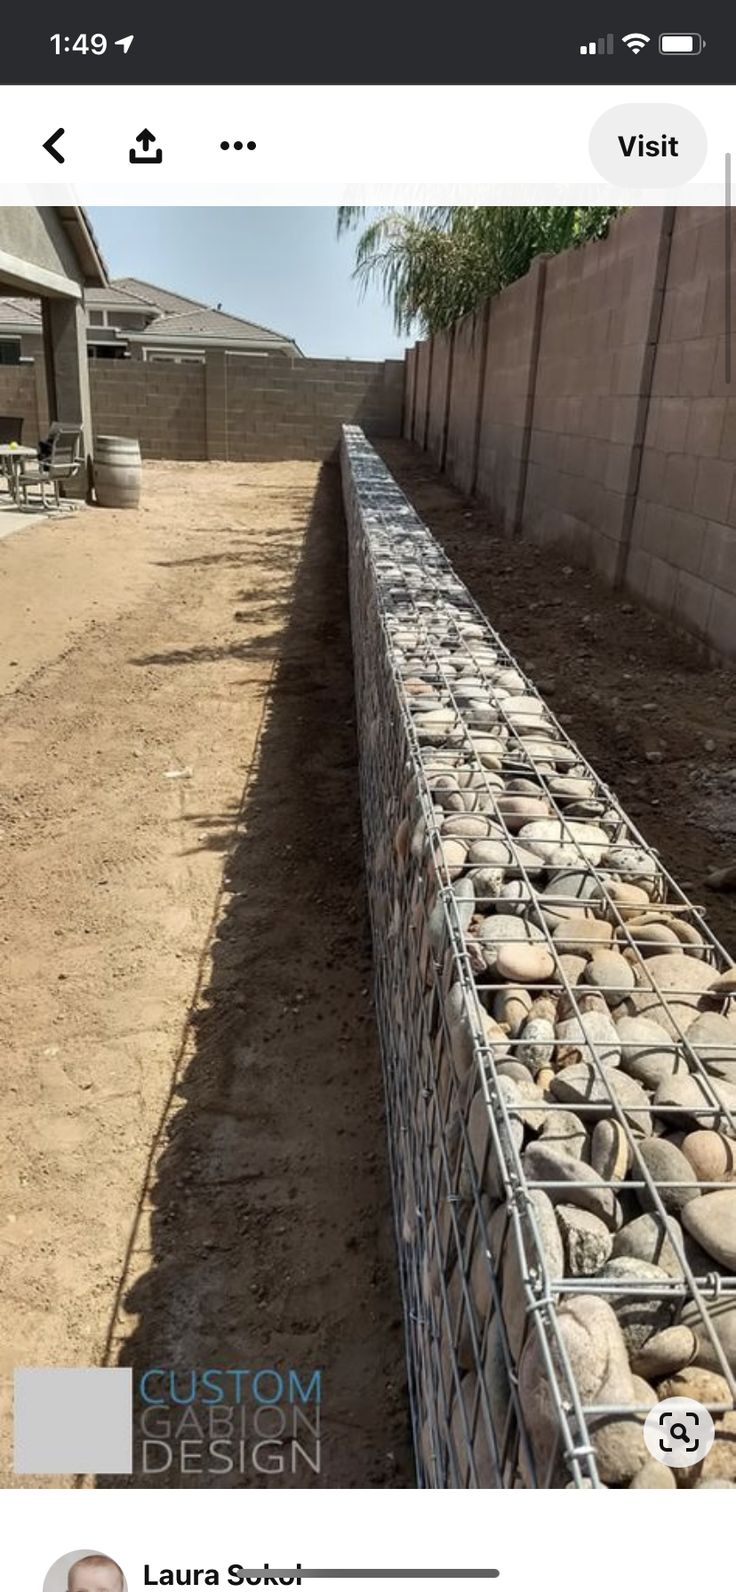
[[190, 318], [174, 318], [23, 313]]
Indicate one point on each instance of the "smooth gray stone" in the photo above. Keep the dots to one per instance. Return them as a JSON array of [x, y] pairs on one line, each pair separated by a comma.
[[646, 1239], [666, 1164], [542, 1163], [581, 1084], [597, 1355], [717, 1037]]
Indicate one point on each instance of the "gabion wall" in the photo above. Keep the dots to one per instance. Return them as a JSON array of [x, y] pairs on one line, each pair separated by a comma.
[[559, 1042]]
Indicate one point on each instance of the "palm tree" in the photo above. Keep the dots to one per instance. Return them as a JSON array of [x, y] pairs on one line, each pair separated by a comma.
[[438, 262]]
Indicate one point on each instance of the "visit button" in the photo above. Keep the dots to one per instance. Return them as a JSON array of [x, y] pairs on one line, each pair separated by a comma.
[[648, 146]]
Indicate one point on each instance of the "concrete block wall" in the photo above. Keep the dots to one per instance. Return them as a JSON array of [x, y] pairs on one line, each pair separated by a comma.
[[467, 377], [603, 422], [229, 407], [683, 544], [407, 428], [420, 422], [19, 399], [599, 318], [506, 399], [439, 395], [278, 409], [161, 405]]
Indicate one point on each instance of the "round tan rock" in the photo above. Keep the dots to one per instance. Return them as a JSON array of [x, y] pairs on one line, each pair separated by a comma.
[[610, 1153], [528, 964], [583, 937], [694, 1382], [682, 980], [665, 1353], [609, 972], [711, 1219], [725, 983], [653, 1474], [711, 1155]]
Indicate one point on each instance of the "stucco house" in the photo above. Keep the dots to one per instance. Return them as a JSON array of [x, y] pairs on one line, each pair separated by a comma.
[[49, 260], [130, 319]]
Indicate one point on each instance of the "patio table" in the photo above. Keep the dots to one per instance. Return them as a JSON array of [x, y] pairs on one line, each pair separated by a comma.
[[10, 459]]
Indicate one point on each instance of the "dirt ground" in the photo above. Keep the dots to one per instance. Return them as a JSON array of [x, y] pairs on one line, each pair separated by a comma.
[[653, 716], [193, 1168]]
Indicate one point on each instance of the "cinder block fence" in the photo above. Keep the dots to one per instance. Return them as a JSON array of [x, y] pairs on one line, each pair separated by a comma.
[[229, 407], [589, 406]]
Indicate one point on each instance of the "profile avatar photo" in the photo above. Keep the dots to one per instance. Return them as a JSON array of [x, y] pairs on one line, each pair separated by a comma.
[[85, 1571]]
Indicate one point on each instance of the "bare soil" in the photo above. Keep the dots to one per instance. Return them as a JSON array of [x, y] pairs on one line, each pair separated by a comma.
[[193, 1168], [653, 715]]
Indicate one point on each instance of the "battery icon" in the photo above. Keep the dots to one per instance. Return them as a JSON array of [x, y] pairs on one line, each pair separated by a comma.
[[681, 43]]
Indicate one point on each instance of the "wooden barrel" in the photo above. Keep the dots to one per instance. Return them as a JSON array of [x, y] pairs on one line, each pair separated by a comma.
[[117, 472]]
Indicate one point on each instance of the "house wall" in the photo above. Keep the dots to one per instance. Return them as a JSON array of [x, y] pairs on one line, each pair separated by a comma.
[[603, 422], [226, 408]]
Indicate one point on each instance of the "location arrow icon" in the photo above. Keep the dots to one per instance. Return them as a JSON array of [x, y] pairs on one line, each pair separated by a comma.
[[51, 143]]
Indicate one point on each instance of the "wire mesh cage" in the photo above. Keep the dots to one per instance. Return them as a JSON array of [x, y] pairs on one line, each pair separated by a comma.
[[558, 1035]]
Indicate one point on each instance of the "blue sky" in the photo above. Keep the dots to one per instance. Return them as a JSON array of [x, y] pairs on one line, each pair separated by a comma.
[[284, 268]]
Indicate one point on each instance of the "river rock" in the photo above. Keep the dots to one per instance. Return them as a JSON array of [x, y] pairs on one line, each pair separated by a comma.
[[712, 1221], [571, 968], [711, 1155], [650, 939], [671, 972], [514, 1294], [519, 810], [576, 1035], [531, 964], [587, 1241], [666, 1164], [646, 1239], [695, 1382], [665, 1353], [628, 899], [502, 928], [634, 865], [582, 937], [609, 972], [564, 1132], [536, 1045], [689, 1102], [582, 1084], [647, 1051], [511, 1008], [547, 836], [610, 1152], [543, 1163], [599, 1364], [713, 1038], [654, 1474], [639, 1316], [725, 983]]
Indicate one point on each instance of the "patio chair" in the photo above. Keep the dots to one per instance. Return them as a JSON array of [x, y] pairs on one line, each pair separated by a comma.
[[10, 431], [56, 463]]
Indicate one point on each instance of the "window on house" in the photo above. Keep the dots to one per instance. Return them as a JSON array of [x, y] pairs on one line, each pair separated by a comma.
[[9, 350], [96, 317]]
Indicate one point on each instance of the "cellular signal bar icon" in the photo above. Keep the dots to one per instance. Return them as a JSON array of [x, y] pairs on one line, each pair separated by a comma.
[[602, 47]]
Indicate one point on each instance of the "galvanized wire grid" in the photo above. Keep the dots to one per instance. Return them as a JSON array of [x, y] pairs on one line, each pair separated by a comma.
[[474, 1267]]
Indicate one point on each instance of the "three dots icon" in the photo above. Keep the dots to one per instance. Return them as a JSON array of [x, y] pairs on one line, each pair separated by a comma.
[[238, 144]]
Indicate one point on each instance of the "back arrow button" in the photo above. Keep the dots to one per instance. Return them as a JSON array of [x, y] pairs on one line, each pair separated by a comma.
[[51, 143]]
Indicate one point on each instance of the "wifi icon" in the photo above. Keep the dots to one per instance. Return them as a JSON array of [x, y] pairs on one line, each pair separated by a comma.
[[635, 41]]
